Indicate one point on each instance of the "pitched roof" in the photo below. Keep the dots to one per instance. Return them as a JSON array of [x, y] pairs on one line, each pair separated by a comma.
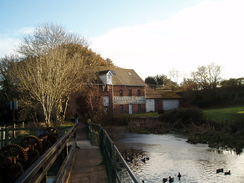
[[103, 72], [152, 94], [125, 77], [169, 94]]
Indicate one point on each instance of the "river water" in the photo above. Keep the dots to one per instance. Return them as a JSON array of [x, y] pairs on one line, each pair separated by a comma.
[[169, 154]]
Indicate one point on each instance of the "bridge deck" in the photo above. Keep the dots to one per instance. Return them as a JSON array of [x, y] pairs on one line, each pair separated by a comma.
[[87, 166]]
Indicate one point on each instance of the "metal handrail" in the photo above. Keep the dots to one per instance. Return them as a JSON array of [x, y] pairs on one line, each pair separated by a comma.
[[38, 170], [118, 155]]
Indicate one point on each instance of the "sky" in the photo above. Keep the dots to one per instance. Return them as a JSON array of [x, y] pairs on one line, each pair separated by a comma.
[[152, 37]]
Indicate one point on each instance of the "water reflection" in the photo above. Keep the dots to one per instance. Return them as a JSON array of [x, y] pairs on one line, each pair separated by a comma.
[[170, 154]]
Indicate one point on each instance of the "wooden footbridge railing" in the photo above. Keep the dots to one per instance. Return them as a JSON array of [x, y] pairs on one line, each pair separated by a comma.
[[30, 160]]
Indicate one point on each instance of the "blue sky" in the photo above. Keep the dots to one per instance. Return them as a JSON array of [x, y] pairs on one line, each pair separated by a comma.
[[151, 37]]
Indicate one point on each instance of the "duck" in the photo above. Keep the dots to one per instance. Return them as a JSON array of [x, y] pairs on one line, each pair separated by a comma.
[[171, 179], [219, 170], [179, 175], [129, 160], [165, 180], [143, 160], [227, 173], [131, 155]]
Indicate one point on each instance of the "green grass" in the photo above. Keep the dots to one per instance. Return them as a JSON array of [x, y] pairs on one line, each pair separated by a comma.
[[227, 114]]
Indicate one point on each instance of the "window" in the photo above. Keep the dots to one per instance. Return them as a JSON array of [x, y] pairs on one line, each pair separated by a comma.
[[130, 92], [158, 102], [120, 92], [105, 100], [121, 108], [138, 92]]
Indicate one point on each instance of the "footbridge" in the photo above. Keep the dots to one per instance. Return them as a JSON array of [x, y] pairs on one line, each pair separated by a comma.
[[83, 153]]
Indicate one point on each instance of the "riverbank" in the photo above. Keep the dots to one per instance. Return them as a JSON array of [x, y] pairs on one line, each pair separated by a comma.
[[216, 135]]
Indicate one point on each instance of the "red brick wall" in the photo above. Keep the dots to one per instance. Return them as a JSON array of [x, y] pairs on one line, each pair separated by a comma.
[[135, 109], [110, 91], [126, 90], [134, 89]]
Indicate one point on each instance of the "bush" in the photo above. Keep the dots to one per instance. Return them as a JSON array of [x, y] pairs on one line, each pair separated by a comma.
[[183, 116], [237, 126]]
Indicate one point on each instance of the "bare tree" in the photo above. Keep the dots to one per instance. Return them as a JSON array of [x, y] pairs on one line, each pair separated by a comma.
[[51, 77], [94, 103], [50, 71], [189, 85], [174, 75], [45, 37], [55, 63], [208, 78]]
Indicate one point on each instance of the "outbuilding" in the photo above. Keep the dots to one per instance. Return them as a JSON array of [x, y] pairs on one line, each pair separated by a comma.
[[171, 100]]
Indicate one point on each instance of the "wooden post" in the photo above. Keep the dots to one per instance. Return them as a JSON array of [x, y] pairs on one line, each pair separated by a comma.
[[13, 107], [44, 179], [2, 136], [6, 136]]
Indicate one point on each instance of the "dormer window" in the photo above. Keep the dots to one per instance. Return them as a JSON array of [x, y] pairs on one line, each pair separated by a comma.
[[106, 77]]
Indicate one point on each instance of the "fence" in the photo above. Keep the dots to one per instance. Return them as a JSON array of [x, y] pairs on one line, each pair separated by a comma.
[[5, 136], [117, 169]]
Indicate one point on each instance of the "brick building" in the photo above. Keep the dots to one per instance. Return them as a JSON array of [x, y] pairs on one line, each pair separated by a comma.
[[123, 91]]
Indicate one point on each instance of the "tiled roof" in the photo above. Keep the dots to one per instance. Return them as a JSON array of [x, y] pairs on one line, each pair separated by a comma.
[[169, 94], [103, 72], [152, 94], [163, 94], [125, 77]]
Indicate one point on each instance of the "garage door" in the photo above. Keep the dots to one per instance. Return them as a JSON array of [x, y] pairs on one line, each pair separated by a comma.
[[171, 104]]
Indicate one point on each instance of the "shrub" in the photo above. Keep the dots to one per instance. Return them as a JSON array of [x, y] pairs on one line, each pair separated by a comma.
[[237, 126], [184, 116]]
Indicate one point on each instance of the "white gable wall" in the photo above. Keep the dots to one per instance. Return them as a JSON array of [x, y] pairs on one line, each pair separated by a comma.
[[103, 78], [107, 78], [150, 105]]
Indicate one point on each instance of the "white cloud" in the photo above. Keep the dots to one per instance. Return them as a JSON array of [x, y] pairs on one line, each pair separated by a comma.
[[25, 30], [7, 46], [212, 31], [10, 40]]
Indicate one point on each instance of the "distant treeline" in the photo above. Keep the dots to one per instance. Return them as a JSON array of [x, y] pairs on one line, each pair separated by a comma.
[[222, 96]]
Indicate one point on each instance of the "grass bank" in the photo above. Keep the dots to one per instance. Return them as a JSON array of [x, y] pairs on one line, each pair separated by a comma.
[[230, 114]]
